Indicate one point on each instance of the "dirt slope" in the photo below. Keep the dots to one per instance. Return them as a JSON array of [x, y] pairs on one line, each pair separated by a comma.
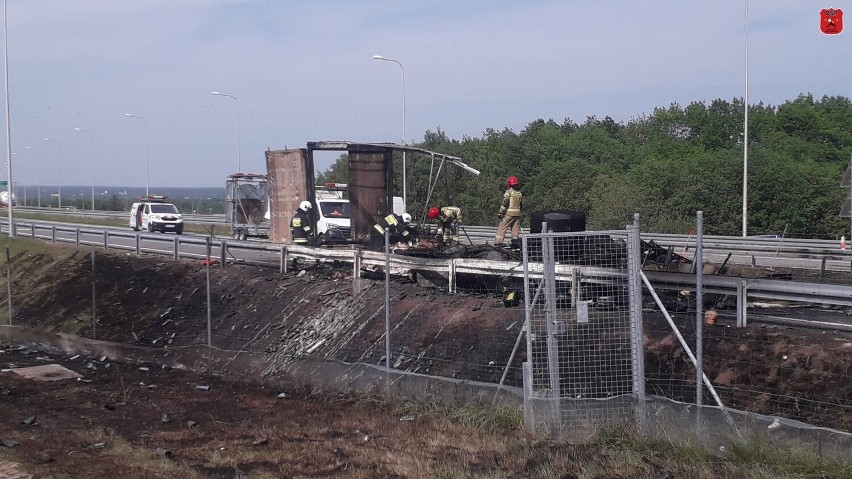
[[322, 312]]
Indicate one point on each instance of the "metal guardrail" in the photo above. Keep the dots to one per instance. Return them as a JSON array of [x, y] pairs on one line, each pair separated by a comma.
[[269, 254]]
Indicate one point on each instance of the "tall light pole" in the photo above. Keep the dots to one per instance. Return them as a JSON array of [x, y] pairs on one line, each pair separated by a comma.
[[8, 128], [147, 171], [745, 131], [92, 135], [404, 140], [237, 105], [58, 166]]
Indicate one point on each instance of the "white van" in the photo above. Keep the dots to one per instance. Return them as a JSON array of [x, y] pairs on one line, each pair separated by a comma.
[[154, 214]]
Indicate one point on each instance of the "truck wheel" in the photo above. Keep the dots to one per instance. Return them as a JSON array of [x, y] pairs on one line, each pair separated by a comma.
[[179, 230], [321, 239], [243, 235], [150, 227], [236, 234]]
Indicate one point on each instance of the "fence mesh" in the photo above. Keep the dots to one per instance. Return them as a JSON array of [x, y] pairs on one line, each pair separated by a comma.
[[581, 343]]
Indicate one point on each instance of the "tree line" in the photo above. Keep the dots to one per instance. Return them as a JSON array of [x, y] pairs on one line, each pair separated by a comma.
[[664, 166]]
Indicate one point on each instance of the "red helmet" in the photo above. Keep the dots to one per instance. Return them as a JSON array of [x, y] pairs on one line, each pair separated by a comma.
[[433, 213], [512, 181]]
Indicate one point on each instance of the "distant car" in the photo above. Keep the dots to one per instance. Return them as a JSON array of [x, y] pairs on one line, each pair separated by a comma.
[[154, 214]]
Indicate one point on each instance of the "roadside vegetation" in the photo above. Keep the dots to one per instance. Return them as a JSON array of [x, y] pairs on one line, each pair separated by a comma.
[[664, 166]]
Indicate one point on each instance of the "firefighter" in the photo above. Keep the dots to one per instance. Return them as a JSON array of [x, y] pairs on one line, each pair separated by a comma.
[[399, 227], [448, 219], [300, 225], [510, 211]]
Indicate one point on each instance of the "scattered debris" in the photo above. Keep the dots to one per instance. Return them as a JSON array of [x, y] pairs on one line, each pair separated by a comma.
[[30, 421], [282, 396], [190, 424], [409, 417], [260, 442], [160, 452], [10, 442], [203, 387]]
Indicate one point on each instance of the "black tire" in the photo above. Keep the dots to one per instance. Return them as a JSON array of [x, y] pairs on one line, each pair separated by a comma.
[[179, 230], [243, 235], [236, 234], [150, 227]]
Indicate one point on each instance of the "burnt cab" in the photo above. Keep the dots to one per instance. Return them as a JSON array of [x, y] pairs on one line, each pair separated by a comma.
[[153, 213]]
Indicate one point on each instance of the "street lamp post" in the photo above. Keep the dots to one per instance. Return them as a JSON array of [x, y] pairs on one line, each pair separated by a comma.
[[745, 131], [58, 166], [92, 135], [147, 171], [237, 105], [404, 140], [8, 132]]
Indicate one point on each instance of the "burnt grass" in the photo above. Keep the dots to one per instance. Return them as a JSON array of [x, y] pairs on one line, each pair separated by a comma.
[[159, 303]]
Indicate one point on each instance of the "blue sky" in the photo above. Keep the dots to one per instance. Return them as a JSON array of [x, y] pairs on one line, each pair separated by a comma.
[[303, 71]]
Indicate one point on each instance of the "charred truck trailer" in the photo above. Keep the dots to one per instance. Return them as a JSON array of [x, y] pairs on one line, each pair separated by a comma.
[[247, 205], [370, 183]]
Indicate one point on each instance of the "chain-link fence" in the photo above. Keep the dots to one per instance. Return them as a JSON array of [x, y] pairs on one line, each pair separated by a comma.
[[584, 332]]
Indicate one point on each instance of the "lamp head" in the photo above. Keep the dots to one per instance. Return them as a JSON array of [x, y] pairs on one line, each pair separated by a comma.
[[378, 57]]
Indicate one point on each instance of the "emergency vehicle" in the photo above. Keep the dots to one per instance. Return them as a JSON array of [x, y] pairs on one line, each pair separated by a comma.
[[152, 213]]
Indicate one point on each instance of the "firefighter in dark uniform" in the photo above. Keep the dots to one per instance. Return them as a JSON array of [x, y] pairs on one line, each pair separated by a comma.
[[399, 227], [300, 225]]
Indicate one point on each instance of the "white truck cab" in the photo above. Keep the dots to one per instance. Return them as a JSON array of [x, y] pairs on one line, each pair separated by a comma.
[[152, 213], [334, 213]]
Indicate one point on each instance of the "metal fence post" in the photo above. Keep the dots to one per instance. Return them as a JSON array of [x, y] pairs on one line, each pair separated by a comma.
[[208, 248], [387, 311], [32, 230], [224, 244], [77, 236], [106, 240], [451, 276], [53, 234], [177, 247], [549, 276], [634, 285], [138, 244], [9, 282], [699, 309], [94, 298]]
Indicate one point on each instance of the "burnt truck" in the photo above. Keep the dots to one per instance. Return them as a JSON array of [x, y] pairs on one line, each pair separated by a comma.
[[247, 209], [247, 205], [369, 190]]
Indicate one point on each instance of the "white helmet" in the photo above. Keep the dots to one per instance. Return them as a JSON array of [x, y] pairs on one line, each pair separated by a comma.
[[406, 217], [305, 205]]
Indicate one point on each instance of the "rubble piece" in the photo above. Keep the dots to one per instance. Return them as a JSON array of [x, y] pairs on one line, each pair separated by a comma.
[[165, 419], [44, 458], [161, 452], [99, 445], [30, 421], [46, 372], [260, 442], [203, 387], [282, 396], [409, 417], [190, 424], [10, 442]]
